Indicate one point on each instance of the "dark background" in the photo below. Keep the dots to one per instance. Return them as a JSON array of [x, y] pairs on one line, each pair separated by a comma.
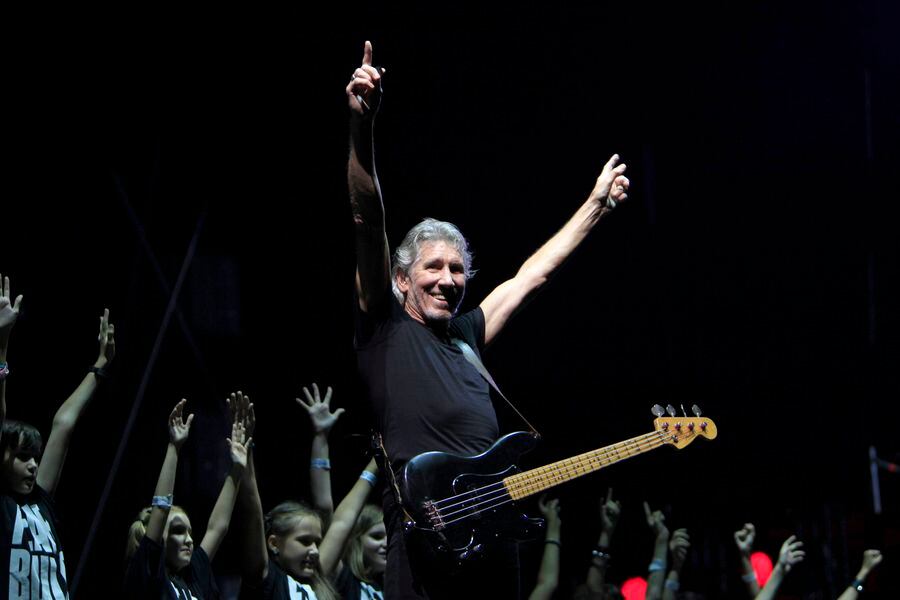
[[753, 271]]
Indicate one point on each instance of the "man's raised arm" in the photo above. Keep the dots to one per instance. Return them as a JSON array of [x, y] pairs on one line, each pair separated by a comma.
[[610, 189], [373, 277]]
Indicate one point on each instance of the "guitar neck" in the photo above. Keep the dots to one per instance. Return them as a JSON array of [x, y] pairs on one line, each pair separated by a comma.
[[537, 480]]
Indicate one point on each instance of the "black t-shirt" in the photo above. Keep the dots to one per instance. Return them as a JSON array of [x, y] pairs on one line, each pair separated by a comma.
[[31, 548], [351, 588], [425, 394], [147, 578], [277, 585]]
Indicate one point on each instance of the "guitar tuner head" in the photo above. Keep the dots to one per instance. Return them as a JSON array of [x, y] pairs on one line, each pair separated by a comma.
[[657, 410], [696, 410], [671, 410]]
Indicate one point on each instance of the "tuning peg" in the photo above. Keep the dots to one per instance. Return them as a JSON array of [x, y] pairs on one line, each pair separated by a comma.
[[670, 409], [696, 410], [683, 412], [657, 410]]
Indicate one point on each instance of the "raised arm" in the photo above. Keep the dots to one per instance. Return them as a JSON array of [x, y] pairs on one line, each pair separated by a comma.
[[162, 496], [610, 189], [678, 548], [251, 524], [373, 277], [548, 574], [322, 420], [791, 554], [9, 313], [656, 572], [221, 512], [332, 547], [610, 511], [743, 539], [871, 559], [70, 412]]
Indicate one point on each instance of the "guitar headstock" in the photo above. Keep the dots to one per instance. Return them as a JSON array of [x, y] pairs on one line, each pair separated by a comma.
[[683, 430]]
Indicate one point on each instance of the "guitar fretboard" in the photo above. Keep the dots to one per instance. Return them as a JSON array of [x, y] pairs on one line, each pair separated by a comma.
[[537, 480]]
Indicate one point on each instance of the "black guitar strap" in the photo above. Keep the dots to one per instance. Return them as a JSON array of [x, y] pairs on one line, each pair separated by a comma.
[[470, 356], [378, 441]]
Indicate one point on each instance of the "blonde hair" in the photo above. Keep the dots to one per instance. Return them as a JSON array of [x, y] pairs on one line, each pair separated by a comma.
[[354, 555], [280, 521], [138, 529]]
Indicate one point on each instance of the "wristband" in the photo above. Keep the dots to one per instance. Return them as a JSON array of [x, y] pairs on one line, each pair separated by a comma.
[[100, 372], [598, 553], [320, 463], [748, 577], [4, 370], [856, 583], [163, 502], [656, 565], [554, 542], [370, 477], [673, 585]]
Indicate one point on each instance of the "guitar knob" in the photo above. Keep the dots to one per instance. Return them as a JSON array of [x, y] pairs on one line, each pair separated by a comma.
[[478, 548]]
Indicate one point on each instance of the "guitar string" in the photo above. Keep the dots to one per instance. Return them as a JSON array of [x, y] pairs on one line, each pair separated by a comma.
[[610, 449], [509, 499], [533, 485]]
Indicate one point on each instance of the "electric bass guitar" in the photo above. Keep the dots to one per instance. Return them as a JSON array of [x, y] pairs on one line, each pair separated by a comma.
[[457, 504]]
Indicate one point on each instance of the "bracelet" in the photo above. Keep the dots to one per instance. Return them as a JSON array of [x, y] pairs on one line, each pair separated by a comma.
[[163, 502], [370, 477], [320, 463], [856, 583], [598, 553], [656, 565], [749, 577], [4, 370], [673, 585], [100, 372], [554, 542]]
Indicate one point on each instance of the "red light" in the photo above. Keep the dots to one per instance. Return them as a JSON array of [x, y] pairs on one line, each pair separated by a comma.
[[634, 588], [762, 566]]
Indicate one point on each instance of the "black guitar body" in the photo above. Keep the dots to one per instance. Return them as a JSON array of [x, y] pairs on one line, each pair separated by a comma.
[[459, 504]]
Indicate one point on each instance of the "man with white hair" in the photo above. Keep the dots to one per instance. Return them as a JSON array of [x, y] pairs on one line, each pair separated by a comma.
[[425, 394]]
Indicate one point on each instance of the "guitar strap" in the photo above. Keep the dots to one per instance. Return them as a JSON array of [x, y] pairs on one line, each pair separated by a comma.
[[378, 440], [470, 356]]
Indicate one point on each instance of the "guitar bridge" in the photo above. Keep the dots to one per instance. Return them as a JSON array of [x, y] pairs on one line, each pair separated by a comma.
[[434, 516]]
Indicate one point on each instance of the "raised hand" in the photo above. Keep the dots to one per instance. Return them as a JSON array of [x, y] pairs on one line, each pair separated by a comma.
[[9, 310], [238, 444], [871, 559], [612, 185], [679, 546], [656, 520], [791, 553], [743, 538], [610, 512], [107, 339], [364, 89], [240, 410], [319, 410], [549, 507], [178, 427]]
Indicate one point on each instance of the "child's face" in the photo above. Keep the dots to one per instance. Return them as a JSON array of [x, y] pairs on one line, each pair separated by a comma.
[[19, 470]]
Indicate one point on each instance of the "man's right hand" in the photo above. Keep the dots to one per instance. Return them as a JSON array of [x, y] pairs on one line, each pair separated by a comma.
[[364, 89]]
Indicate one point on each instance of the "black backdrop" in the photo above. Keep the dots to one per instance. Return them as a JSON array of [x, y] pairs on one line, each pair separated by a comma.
[[753, 270]]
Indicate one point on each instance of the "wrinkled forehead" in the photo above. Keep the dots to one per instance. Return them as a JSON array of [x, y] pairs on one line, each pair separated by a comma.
[[432, 249]]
